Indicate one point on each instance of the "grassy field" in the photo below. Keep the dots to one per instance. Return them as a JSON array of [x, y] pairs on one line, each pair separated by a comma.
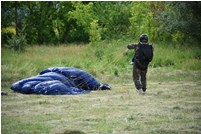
[[172, 103]]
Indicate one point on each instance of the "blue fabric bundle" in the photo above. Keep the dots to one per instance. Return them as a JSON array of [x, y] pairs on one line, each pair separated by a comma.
[[79, 77], [58, 81]]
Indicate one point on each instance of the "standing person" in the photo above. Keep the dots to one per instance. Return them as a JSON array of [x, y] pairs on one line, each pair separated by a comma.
[[143, 56]]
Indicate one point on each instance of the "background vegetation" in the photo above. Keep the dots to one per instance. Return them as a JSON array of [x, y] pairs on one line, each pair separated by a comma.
[[58, 22]]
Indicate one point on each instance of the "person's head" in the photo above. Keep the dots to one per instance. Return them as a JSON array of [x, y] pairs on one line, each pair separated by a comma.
[[144, 38]]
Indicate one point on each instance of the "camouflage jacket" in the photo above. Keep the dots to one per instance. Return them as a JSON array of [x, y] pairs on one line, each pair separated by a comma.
[[136, 46]]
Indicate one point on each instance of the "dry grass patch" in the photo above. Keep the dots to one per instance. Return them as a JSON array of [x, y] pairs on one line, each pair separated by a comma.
[[168, 107]]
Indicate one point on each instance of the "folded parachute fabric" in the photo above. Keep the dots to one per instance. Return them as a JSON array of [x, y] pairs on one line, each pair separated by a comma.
[[59, 81]]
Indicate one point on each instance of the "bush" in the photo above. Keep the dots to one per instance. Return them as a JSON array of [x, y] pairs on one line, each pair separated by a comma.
[[17, 43], [94, 32]]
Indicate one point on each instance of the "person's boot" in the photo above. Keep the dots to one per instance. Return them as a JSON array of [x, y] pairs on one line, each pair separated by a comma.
[[141, 92]]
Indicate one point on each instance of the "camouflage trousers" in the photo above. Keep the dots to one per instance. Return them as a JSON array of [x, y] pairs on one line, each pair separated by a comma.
[[139, 78]]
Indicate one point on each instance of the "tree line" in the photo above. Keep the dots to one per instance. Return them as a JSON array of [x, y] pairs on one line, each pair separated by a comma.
[[61, 22]]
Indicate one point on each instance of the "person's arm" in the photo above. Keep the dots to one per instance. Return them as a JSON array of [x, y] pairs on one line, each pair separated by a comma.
[[131, 46]]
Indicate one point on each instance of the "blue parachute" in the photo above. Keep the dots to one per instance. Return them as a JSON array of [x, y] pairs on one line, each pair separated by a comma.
[[59, 81]]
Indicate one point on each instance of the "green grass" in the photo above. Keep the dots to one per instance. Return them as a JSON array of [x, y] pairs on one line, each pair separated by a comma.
[[171, 105]]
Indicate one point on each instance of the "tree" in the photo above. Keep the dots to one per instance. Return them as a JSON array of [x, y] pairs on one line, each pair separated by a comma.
[[63, 24], [56, 22], [12, 12], [113, 18], [13, 18], [142, 20], [182, 20]]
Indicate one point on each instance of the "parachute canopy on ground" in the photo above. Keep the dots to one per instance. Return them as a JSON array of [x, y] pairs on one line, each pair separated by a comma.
[[59, 81]]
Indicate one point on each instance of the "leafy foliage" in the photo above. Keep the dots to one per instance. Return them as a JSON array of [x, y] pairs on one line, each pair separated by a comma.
[[94, 32], [58, 22], [182, 19], [17, 43]]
